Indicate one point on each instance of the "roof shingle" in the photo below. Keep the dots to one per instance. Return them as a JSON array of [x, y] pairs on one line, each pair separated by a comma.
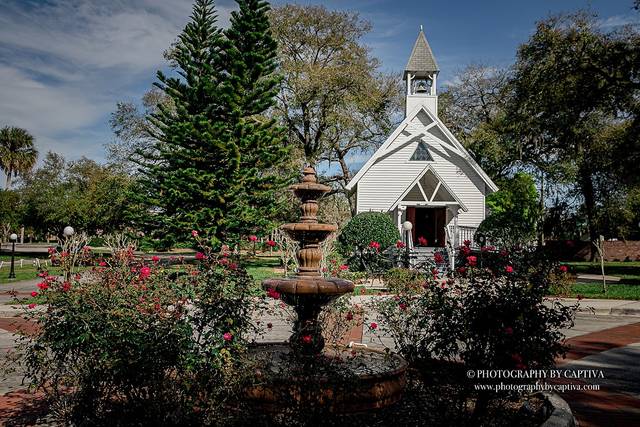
[[421, 59]]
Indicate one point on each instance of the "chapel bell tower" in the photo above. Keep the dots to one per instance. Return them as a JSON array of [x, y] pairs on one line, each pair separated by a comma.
[[420, 77]]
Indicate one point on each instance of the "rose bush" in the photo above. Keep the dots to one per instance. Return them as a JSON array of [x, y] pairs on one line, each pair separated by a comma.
[[492, 314], [136, 341]]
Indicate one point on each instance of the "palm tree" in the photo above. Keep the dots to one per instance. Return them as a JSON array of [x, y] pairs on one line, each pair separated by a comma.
[[17, 153]]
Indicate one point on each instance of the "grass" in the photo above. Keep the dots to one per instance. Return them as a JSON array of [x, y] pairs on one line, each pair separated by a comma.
[[263, 267], [627, 288]]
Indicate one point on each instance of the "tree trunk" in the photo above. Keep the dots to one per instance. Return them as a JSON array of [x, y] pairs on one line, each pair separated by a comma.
[[586, 185], [541, 220], [8, 181]]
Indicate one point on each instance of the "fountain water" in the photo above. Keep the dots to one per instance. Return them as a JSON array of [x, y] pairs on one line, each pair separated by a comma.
[[375, 380]]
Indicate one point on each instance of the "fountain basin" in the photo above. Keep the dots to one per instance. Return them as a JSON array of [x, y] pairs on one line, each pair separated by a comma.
[[309, 285], [341, 380]]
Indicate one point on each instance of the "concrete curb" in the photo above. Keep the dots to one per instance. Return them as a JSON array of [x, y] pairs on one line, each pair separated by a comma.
[[560, 414]]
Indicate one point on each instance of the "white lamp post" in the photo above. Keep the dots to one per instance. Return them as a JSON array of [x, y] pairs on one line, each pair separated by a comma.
[[406, 228], [68, 231]]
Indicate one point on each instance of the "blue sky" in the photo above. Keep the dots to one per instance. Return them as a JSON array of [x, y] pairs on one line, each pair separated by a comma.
[[64, 64]]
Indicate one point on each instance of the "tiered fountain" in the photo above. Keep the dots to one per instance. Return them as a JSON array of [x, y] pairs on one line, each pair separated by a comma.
[[374, 379]]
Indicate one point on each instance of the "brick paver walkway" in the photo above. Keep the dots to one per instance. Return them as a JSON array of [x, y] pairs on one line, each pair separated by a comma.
[[610, 350]]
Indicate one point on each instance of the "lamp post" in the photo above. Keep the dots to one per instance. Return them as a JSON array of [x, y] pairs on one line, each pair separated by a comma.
[[406, 227], [13, 238], [68, 231]]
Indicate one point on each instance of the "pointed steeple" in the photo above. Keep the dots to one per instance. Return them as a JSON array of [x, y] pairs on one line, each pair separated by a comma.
[[421, 63], [420, 76]]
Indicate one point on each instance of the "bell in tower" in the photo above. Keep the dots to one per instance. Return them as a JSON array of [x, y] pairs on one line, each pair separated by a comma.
[[420, 77]]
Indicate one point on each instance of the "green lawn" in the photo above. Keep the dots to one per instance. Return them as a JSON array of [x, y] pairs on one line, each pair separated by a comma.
[[627, 288], [262, 267]]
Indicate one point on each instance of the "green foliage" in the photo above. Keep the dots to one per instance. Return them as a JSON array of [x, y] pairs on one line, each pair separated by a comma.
[[488, 317], [514, 212], [403, 280], [334, 101], [365, 228], [140, 344], [17, 153], [90, 197], [10, 213], [588, 78], [216, 162]]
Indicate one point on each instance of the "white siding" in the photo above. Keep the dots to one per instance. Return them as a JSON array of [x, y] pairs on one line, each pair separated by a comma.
[[391, 175]]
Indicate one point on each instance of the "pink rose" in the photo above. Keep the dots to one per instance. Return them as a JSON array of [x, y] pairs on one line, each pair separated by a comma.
[[563, 268], [253, 238], [344, 267], [227, 336], [400, 244], [194, 233], [200, 256], [155, 259], [472, 260], [271, 243], [422, 241], [374, 245]]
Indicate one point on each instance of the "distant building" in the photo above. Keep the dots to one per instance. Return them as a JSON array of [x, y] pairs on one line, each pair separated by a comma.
[[422, 173]]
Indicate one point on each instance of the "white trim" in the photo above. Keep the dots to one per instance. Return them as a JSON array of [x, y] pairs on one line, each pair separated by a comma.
[[461, 151], [400, 200]]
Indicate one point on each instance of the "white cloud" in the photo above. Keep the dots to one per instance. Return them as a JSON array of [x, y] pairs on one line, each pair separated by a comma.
[[65, 63], [617, 21]]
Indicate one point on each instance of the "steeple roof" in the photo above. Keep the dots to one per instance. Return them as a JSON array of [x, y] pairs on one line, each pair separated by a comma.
[[421, 61]]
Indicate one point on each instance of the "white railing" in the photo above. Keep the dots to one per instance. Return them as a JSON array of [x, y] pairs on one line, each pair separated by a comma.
[[458, 236]]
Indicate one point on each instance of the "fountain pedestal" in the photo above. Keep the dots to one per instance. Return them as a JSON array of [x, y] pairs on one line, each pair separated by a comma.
[[308, 292], [304, 373]]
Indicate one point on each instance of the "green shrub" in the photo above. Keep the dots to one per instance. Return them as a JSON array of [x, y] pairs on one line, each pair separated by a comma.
[[403, 280], [365, 228], [138, 343]]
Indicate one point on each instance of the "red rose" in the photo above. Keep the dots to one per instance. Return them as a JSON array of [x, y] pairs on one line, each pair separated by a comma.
[[145, 272], [422, 241], [32, 305], [508, 269], [466, 250], [34, 294], [563, 268], [271, 243], [43, 285], [467, 243], [374, 245], [272, 293], [462, 270], [155, 259], [344, 267], [227, 336], [66, 286], [269, 325], [438, 258], [400, 244], [253, 238], [200, 256], [233, 266], [373, 325], [349, 316], [402, 306], [472, 260], [307, 339]]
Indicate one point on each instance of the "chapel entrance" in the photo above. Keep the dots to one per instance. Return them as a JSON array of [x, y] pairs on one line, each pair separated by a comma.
[[429, 224]]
